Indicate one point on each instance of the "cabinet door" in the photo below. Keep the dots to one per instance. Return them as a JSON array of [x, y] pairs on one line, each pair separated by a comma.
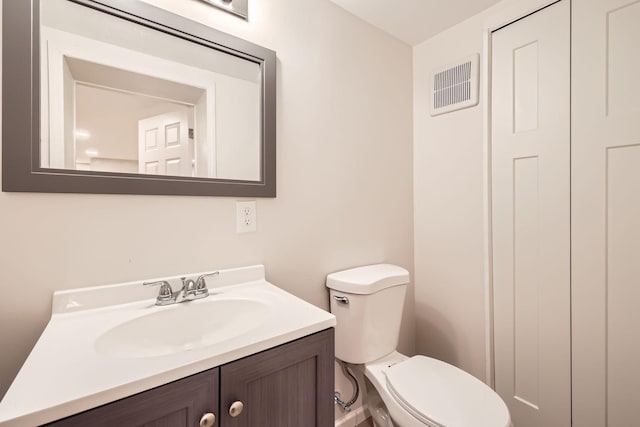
[[177, 404], [287, 386]]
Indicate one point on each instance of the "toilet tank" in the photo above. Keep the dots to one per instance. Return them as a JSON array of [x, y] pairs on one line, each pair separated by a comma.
[[367, 302]]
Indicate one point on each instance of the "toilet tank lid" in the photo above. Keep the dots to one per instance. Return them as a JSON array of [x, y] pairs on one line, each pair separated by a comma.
[[368, 279]]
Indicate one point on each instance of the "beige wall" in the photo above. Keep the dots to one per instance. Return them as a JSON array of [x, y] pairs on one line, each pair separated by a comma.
[[344, 184], [448, 213], [449, 224]]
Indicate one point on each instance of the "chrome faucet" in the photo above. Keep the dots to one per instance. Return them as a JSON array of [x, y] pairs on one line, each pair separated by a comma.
[[191, 290]]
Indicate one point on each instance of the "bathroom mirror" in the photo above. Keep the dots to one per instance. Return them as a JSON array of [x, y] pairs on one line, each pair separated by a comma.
[[122, 97]]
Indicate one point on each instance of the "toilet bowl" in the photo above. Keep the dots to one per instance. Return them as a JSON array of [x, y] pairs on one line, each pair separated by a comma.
[[416, 391]]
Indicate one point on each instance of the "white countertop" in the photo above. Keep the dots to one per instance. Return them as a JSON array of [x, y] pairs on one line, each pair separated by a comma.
[[65, 375]]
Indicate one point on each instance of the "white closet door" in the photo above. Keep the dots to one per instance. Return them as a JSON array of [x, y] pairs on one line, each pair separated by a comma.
[[605, 213], [531, 216]]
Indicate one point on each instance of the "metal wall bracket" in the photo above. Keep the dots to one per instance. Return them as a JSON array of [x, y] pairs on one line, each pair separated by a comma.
[[237, 7]]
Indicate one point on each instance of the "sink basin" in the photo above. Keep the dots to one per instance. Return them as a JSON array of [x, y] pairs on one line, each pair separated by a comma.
[[182, 327]]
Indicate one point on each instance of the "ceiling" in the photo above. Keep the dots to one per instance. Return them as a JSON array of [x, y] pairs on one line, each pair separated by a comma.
[[414, 21]]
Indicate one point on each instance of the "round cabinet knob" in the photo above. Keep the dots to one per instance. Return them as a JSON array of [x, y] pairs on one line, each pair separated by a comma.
[[207, 420], [236, 408]]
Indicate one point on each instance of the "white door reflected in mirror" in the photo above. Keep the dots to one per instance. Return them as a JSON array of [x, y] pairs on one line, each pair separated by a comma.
[[163, 145], [132, 133], [104, 89]]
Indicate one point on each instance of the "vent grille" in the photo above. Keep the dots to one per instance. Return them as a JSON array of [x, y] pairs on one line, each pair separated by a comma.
[[455, 87], [452, 86]]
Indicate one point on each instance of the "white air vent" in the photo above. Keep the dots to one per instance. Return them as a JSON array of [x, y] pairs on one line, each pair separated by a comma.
[[454, 87]]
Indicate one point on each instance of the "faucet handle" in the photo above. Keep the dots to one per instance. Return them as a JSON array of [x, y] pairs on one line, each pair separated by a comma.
[[166, 293], [201, 284]]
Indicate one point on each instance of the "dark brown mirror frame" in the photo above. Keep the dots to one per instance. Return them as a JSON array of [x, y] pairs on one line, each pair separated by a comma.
[[21, 171]]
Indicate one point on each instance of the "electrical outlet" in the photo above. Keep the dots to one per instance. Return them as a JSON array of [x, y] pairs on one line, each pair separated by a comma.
[[246, 216]]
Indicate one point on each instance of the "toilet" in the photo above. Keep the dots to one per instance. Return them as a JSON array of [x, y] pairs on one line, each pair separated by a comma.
[[406, 391]]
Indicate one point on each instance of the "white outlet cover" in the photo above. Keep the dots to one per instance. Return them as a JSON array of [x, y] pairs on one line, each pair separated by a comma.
[[246, 216]]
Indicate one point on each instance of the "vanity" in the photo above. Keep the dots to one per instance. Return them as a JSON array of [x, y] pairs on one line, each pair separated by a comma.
[[249, 354], [121, 97]]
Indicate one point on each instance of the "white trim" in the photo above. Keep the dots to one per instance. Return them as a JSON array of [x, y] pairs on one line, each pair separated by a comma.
[[512, 12], [486, 205], [353, 418]]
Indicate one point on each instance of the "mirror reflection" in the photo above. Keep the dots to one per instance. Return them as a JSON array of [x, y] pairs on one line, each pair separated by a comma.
[[124, 98]]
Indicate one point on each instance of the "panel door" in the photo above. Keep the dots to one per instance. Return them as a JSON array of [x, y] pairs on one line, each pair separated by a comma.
[[163, 145], [605, 212], [288, 386], [178, 404], [531, 216]]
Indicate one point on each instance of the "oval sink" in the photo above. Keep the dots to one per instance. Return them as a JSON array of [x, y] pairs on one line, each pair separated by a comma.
[[182, 327]]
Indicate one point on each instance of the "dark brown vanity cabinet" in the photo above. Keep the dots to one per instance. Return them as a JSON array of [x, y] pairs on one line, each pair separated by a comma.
[[181, 403], [287, 386]]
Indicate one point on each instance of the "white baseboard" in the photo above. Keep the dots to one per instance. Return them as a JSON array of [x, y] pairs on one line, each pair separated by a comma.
[[353, 418]]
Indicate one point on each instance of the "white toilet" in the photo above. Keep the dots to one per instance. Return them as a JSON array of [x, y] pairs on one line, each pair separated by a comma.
[[417, 391]]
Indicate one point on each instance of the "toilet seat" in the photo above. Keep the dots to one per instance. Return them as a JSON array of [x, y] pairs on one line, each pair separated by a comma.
[[439, 394]]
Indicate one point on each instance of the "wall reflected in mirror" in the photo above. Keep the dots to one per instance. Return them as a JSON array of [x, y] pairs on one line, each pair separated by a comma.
[[124, 98]]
